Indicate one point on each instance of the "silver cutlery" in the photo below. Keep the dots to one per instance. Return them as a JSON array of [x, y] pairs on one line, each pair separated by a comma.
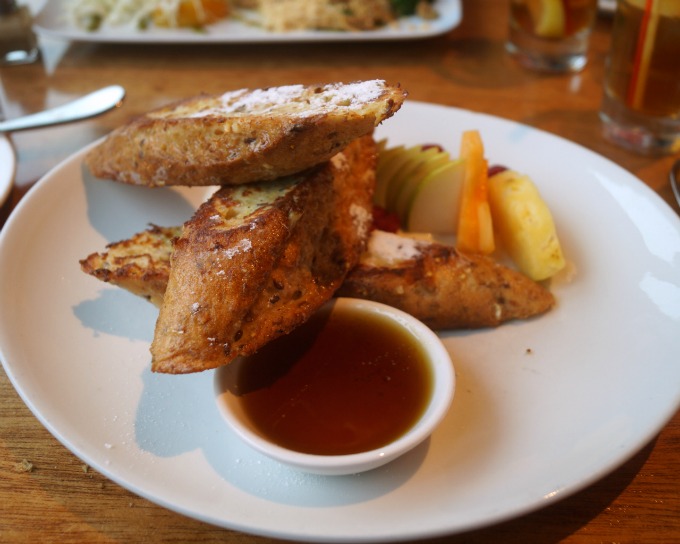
[[90, 105]]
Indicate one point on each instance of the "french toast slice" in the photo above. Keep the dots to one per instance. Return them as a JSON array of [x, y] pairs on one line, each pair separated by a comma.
[[254, 262], [442, 287], [140, 264], [433, 282], [243, 136]]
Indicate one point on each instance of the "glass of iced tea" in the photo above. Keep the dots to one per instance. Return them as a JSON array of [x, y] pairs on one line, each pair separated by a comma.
[[641, 105], [551, 35]]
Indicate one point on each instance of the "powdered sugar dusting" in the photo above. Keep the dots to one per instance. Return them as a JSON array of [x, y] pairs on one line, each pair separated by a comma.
[[303, 100], [243, 246], [386, 249], [340, 161], [361, 218]]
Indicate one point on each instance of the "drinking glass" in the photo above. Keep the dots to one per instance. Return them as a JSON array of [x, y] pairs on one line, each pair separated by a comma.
[[551, 35], [641, 104]]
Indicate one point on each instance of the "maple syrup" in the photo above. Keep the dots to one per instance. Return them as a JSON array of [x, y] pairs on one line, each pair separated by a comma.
[[342, 383]]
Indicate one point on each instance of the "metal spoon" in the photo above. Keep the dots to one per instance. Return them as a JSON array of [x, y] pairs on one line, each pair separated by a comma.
[[89, 105], [673, 176]]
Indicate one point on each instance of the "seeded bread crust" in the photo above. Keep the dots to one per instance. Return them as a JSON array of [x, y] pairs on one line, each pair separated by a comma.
[[243, 136], [140, 264], [442, 287], [435, 283], [253, 263]]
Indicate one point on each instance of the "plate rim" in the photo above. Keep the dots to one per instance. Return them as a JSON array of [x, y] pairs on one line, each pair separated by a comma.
[[423, 533], [8, 167]]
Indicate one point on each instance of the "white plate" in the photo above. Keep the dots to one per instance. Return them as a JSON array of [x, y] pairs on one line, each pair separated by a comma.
[[544, 407], [52, 21], [7, 166]]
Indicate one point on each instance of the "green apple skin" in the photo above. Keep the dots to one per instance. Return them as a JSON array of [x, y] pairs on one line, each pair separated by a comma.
[[390, 162], [409, 186], [414, 156], [426, 213], [409, 173]]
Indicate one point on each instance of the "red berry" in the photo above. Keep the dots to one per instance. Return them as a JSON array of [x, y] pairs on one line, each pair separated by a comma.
[[496, 169], [384, 220]]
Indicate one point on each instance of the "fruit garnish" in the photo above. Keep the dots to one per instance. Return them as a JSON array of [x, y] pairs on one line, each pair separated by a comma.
[[390, 162], [525, 225], [423, 190], [384, 220], [475, 227], [435, 205], [496, 169], [412, 172]]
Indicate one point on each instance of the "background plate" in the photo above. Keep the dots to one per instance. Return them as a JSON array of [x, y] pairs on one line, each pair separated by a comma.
[[7, 167], [52, 21], [543, 407]]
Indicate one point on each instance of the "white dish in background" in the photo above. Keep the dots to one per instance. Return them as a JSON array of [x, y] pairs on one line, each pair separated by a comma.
[[7, 167], [542, 409], [52, 21]]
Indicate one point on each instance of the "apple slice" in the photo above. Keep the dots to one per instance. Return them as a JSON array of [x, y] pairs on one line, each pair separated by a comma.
[[409, 186], [389, 161], [525, 225], [435, 205], [415, 157], [390, 165]]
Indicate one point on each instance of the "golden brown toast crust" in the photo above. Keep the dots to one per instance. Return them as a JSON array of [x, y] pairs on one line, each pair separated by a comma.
[[444, 288], [243, 136], [140, 264], [237, 281]]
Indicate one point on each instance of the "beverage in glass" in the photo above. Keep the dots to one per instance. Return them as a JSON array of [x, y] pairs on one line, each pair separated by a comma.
[[641, 105], [551, 35]]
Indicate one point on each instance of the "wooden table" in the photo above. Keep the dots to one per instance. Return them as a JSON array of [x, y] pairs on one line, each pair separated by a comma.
[[46, 494]]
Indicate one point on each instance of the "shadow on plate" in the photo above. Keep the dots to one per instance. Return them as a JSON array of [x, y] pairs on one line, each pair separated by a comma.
[[118, 313], [179, 414], [117, 210]]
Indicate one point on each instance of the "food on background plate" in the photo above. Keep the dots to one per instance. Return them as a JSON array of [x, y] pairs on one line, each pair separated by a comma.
[[340, 15], [244, 136], [93, 15], [272, 15]]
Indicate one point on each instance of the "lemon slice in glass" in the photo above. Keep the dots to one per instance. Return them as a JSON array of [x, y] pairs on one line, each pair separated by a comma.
[[548, 17]]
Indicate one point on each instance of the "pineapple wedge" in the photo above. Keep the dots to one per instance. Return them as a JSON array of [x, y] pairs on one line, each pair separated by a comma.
[[525, 225]]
